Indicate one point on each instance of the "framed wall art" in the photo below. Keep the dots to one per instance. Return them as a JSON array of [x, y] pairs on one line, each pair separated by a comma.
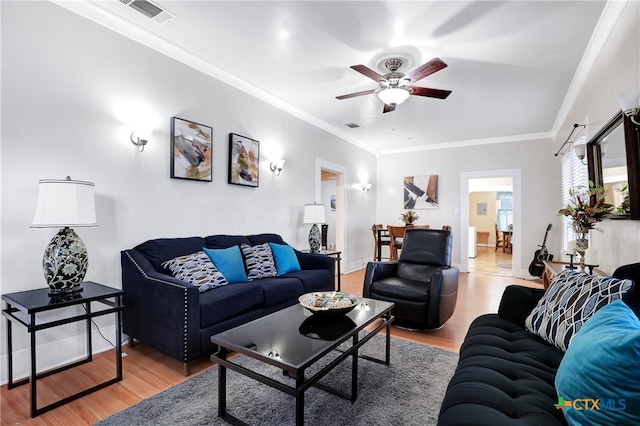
[[244, 160], [421, 192], [191, 144]]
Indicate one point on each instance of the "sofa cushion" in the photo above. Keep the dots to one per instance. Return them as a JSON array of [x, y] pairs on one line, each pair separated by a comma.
[[602, 364], [162, 249], [265, 238], [399, 288], [280, 289], [225, 241], [505, 376], [571, 299], [197, 269], [229, 301], [259, 261], [313, 279], [229, 262], [285, 258]]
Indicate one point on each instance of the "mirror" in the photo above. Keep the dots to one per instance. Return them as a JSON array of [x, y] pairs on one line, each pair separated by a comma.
[[613, 156]]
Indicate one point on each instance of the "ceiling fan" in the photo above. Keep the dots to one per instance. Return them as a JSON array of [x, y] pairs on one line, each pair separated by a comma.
[[395, 86]]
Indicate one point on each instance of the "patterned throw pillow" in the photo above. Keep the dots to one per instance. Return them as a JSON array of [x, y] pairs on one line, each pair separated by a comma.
[[197, 269], [571, 299], [259, 261]]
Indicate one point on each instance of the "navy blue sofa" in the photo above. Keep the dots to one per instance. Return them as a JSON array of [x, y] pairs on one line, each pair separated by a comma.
[[175, 318]]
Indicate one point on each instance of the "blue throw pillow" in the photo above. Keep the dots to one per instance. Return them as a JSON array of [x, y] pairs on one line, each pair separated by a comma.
[[229, 262], [598, 380], [285, 257]]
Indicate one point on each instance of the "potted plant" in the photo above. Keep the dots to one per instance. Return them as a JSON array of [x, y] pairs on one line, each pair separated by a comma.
[[586, 207], [409, 217]]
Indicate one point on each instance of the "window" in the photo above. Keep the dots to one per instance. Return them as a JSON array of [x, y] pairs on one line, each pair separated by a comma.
[[504, 206]]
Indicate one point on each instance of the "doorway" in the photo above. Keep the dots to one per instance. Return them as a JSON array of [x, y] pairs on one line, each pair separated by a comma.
[[330, 182], [490, 226], [465, 182]]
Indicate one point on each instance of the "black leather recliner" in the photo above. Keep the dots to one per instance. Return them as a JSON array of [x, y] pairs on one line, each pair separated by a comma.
[[422, 283]]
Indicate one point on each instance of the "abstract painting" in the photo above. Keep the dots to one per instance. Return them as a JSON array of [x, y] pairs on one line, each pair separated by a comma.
[[244, 160], [191, 150], [421, 192]]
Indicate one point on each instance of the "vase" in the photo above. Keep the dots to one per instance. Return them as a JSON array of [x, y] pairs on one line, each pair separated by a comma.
[[582, 244]]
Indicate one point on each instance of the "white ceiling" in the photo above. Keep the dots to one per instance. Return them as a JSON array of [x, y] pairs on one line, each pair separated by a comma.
[[511, 64]]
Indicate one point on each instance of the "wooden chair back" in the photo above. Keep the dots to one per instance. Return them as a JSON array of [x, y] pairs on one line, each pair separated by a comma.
[[396, 233], [384, 239]]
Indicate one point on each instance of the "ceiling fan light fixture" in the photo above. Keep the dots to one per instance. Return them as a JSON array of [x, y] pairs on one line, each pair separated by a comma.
[[393, 95]]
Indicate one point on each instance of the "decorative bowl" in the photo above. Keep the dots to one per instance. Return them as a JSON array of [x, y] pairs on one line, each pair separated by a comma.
[[329, 302]]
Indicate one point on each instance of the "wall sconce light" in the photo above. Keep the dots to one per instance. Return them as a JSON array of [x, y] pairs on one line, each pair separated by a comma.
[[629, 103], [366, 187], [276, 167], [580, 148], [138, 141]]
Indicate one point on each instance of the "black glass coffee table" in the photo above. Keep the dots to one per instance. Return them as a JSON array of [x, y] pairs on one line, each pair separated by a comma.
[[293, 340]]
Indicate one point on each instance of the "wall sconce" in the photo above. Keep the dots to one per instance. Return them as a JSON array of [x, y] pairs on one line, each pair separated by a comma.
[[366, 187], [629, 103], [580, 148], [138, 141], [276, 167]]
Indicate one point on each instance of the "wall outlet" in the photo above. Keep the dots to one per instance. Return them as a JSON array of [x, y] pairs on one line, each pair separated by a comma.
[[456, 211]]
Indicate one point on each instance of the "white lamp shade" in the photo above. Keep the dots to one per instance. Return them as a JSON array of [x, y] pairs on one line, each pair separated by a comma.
[[580, 147], [314, 213], [628, 100], [65, 203], [393, 95]]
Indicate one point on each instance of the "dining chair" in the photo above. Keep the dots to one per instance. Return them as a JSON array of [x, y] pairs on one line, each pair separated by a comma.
[[499, 242], [384, 240], [396, 233]]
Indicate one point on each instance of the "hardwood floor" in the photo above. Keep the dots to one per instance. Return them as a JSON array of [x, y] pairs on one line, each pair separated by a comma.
[[147, 372]]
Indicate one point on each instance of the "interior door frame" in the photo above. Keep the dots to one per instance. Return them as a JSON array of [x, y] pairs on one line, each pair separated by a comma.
[[515, 174]]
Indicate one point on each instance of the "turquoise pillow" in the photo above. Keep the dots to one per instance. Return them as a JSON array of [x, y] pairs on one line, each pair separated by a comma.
[[285, 257], [229, 262], [601, 368]]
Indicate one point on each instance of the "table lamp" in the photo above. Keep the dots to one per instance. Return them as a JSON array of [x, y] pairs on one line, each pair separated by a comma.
[[64, 204], [314, 214]]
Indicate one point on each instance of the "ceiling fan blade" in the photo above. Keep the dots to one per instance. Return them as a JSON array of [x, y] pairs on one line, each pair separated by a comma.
[[429, 68], [353, 95], [388, 108], [432, 93], [368, 72]]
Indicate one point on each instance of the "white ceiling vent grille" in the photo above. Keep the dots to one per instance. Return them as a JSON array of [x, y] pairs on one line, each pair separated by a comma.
[[150, 10]]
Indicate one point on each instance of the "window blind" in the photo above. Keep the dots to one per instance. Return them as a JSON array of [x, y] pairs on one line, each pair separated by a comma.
[[574, 174]]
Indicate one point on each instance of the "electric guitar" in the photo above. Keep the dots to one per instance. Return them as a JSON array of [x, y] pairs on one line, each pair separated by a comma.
[[536, 268]]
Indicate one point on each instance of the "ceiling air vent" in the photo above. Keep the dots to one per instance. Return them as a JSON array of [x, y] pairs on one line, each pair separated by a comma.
[[150, 10], [352, 125]]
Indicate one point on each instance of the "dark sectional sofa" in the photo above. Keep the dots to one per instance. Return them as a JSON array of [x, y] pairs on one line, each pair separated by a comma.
[[175, 318], [506, 374]]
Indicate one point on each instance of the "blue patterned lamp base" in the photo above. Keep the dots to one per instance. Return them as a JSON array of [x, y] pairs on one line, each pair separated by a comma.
[[315, 239], [65, 262]]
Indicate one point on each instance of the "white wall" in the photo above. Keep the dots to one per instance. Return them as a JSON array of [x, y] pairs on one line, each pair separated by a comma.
[[72, 93], [616, 70], [538, 170]]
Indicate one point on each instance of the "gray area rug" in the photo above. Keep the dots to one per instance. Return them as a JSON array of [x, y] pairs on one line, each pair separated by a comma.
[[408, 392]]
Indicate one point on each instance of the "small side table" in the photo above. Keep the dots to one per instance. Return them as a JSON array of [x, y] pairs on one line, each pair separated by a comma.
[[553, 268], [330, 253], [22, 308]]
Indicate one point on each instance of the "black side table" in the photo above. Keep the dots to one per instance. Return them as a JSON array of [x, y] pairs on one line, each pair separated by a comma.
[[331, 253], [22, 308]]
